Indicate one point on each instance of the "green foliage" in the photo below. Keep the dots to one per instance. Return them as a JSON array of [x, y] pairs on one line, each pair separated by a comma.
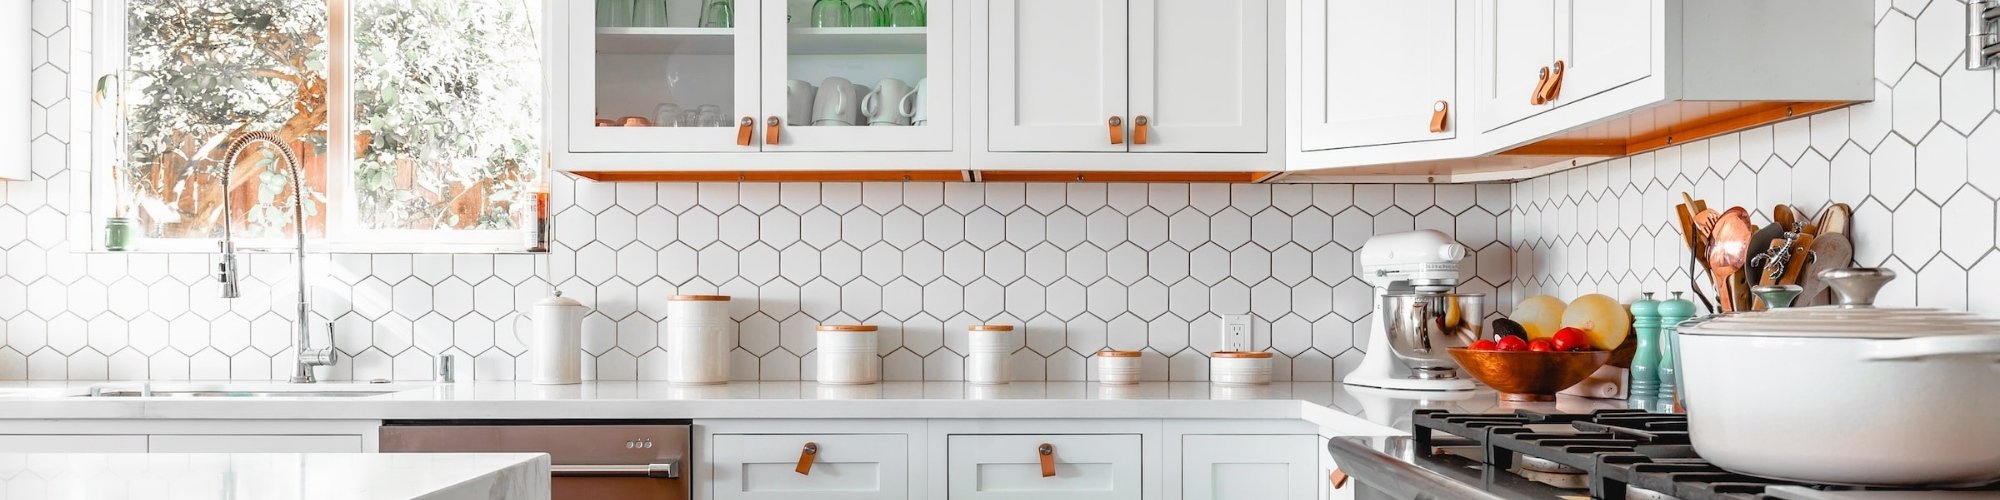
[[451, 91]]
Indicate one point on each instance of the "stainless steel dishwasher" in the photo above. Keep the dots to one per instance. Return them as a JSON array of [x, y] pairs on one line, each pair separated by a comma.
[[593, 459]]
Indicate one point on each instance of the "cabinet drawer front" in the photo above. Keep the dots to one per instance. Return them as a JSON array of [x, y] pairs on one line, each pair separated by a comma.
[[73, 444], [1221, 467], [195, 443], [1008, 467], [847, 466]]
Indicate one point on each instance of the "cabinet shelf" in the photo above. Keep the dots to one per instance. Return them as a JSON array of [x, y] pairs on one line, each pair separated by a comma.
[[697, 41], [821, 41]]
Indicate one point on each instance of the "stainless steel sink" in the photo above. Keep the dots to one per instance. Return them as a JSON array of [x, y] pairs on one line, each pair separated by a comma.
[[136, 393]]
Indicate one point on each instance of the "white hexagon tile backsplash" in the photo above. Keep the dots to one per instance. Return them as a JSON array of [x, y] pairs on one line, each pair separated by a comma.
[[1081, 266]]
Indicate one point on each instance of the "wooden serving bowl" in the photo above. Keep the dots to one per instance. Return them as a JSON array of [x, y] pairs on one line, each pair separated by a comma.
[[1529, 375]]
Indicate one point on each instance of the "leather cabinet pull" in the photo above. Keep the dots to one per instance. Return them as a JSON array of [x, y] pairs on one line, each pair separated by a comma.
[[771, 130], [1117, 129], [1048, 455], [743, 130], [1440, 112], [1535, 94], [1337, 478], [1139, 129], [806, 456], [1555, 86]]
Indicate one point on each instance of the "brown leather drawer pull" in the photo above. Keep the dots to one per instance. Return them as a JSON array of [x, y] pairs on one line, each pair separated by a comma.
[[1555, 82], [806, 456], [1048, 455], [1337, 478], [1535, 94], [771, 130], [1117, 129], [1139, 129], [743, 130], [1440, 112]]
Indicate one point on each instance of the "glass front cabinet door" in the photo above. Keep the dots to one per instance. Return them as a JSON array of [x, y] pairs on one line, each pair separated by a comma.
[[755, 76], [858, 75]]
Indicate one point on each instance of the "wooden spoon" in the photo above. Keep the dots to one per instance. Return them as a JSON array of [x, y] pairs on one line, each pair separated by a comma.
[[1782, 214], [1835, 219], [1829, 251], [1728, 251]]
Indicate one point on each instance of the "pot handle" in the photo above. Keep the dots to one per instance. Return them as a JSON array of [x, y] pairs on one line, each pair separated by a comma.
[[1985, 344]]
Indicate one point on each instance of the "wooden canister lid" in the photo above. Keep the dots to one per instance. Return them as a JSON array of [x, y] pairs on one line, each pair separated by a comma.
[[1114, 353], [1240, 354], [700, 298], [846, 328], [990, 328]]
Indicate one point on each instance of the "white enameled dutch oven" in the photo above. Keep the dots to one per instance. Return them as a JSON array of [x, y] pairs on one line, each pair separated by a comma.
[[1846, 394]]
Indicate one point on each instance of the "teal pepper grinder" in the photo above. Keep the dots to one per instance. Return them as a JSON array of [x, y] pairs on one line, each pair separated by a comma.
[[1646, 362], [1672, 313]]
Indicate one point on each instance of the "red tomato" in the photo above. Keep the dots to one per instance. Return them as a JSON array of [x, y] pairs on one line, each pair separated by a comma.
[[1484, 345], [1512, 343], [1541, 345], [1571, 339]]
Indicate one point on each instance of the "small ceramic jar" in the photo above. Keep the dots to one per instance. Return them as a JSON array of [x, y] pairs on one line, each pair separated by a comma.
[[987, 361], [847, 355], [1239, 367], [698, 340], [1117, 367]]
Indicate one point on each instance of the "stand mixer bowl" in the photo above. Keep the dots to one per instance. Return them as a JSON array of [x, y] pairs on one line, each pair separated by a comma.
[[1423, 327]]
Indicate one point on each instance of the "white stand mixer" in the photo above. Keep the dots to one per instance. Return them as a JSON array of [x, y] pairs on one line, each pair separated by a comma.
[[1423, 262]]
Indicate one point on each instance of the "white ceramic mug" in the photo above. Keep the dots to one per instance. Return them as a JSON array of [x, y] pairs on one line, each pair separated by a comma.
[[919, 110], [799, 102], [884, 106], [838, 103]]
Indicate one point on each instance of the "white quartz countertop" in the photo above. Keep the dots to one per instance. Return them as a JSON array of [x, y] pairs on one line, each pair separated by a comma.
[[1331, 405], [275, 476]]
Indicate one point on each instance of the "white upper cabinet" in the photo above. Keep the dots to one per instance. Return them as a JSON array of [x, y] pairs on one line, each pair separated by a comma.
[[1058, 75], [1376, 72], [1087, 76], [15, 99], [1605, 44], [1198, 76], [1517, 45], [622, 66]]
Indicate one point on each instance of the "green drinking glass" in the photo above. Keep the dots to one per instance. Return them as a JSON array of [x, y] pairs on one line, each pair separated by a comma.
[[614, 13], [831, 14], [866, 14], [906, 13]]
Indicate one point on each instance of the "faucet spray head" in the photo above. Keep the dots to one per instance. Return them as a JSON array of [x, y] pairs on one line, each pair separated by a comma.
[[225, 272]]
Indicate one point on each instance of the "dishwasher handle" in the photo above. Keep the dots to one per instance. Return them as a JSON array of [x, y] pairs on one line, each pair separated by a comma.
[[669, 470]]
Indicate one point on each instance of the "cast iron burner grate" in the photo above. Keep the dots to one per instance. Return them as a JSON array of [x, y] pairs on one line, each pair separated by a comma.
[[1620, 450]]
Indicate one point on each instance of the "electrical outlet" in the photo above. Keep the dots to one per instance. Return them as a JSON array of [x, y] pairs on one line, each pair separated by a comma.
[[1235, 332]]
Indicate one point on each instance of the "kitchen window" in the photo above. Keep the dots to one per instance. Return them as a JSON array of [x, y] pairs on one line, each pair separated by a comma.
[[418, 122]]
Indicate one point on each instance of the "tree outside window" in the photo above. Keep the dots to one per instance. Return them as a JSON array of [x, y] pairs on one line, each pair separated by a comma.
[[442, 116]]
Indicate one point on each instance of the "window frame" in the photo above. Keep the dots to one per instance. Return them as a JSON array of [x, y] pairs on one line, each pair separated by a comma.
[[343, 231]]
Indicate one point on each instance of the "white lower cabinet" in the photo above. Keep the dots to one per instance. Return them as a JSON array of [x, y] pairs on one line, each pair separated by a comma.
[[1009, 467], [252, 443], [1256, 467], [844, 466], [72, 443]]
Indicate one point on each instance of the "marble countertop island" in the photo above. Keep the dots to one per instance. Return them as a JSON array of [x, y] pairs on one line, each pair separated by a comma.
[[275, 476]]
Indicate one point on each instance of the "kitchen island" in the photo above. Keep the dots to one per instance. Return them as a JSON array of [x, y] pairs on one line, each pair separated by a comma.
[[275, 476]]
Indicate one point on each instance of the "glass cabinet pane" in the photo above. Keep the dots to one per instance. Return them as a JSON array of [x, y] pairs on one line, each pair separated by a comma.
[[665, 63], [857, 63]]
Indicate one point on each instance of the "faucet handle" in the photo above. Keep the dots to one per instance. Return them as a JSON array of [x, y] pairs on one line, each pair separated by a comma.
[[324, 356]]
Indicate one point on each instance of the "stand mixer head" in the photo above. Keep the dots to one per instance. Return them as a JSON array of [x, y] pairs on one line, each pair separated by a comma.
[[1416, 316]]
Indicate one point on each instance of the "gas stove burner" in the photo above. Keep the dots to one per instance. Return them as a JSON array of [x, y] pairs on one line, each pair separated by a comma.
[[1613, 454]]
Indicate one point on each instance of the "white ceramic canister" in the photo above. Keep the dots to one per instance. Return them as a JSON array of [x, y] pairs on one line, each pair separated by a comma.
[[1117, 367], [698, 340], [988, 361], [557, 352], [847, 355], [1239, 367]]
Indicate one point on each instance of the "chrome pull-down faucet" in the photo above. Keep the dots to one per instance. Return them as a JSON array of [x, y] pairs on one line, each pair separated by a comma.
[[226, 272]]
